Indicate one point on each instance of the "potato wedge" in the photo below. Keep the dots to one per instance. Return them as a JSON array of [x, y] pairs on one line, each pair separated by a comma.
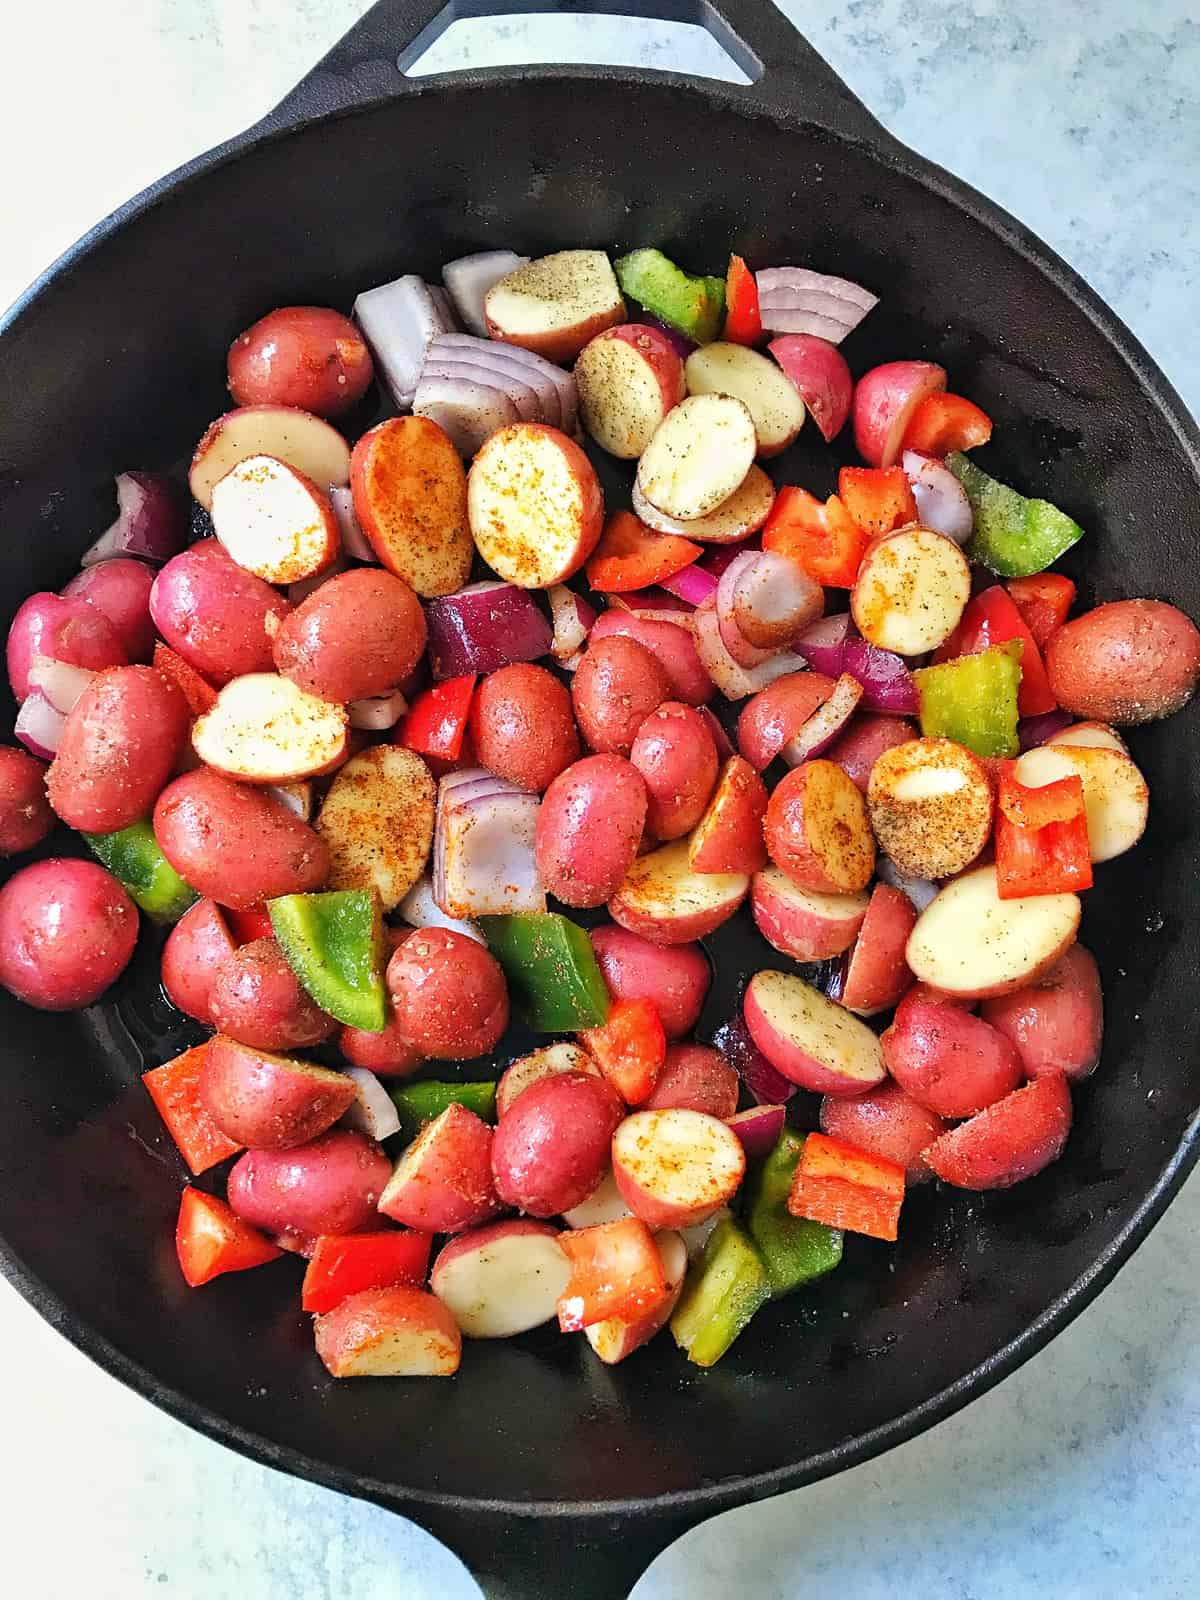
[[1115, 795], [804, 923], [503, 1279], [968, 942], [665, 901], [535, 506], [377, 821], [555, 304], [809, 1038], [744, 513], [389, 1333], [629, 378], [305, 442], [769, 395], [931, 806], [410, 497], [273, 521], [911, 591], [263, 729], [675, 1168], [698, 457], [817, 830]]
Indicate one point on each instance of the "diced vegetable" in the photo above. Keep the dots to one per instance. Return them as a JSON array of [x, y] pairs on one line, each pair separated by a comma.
[[197, 691], [150, 521], [371, 1111], [947, 422], [265, 729], [436, 721], [878, 498], [693, 305], [1115, 795], [822, 379], [743, 322], [175, 1089], [798, 300], [344, 1264], [551, 970], [469, 278], [631, 556], [823, 539], [334, 943], [401, 319], [377, 821], [910, 591], [765, 1083], [422, 1102], [720, 1296], [502, 1279], [973, 700], [1041, 837], [767, 393], [483, 627], [885, 400], [930, 802], [555, 304], [699, 456], [942, 502], [735, 519], [615, 1272], [572, 617], [810, 1039], [389, 1333], [794, 1250], [296, 438], [630, 1047], [1014, 536], [1044, 601], [993, 618], [484, 860], [211, 1240], [134, 858], [668, 902], [846, 1188], [535, 506]]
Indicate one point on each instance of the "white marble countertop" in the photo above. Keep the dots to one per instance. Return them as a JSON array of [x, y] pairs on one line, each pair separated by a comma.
[[1078, 1476]]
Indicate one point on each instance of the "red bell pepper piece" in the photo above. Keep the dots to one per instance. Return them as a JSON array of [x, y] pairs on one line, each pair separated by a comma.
[[616, 1271], [436, 721], [945, 422], [1041, 837], [880, 499], [210, 1239], [175, 1090], [1045, 602], [743, 323], [197, 691], [246, 926], [343, 1263], [992, 618], [823, 539], [630, 1048], [847, 1188], [632, 556]]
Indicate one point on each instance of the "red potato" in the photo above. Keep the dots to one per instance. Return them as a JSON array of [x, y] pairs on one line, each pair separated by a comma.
[[884, 401], [389, 1333], [523, 726], [501, 1280], [67, 931], [877, 973], [675, 754], [25, 814], [410, 498], [695, 1077], [911, 591], [1008, 1142], [931, 805], [270, 1102], [675, 980], [674, 1168], [387, 1054], [1057, 1023], [1115, 796], [331, 1185], [237, 845], [804, 923], [970, 943], [670, 643], [699, 456], [864, 741], [666, 902], [443, 1181], [535, 505], [810, 1039], [218, 617], [822, 379], [616, 687], [552, 1148], [735, 519], [589, 828], [1093, 735], [628, 378], [196, 948], [69, 630], [527, 1070], [258, 1000], [885, 1122], [777, 713], [263, 729], [1126, 662], [616, 1337], [356, 637], [817, 830], [119, 747], [120, 590], [274, 521], [307, 356], [449, 995], [555, 304], [771, 398], [954, 1064], [729, 836], [290, 435], [377, 820]]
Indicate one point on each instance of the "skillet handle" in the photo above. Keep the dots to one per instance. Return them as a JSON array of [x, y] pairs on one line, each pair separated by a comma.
[[787, 75]]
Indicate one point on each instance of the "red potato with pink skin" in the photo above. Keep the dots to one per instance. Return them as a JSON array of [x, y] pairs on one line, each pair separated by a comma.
[[502, 1279], [885, 1122], [884, 401], [628, 378], [547, 1062], [67, 931], [811, 1040], [195, 950], [615, 688], [951, 1062], [331, 1185], [551, 1149], [1056, 1024], [448, 994], [357, 636], [443, 1181], [729, 836], [296, 437], [670, 643], [120, 590], [387, 1054], [235, 844], [667, 903], [267, 1101], [676, 756], [25, 814], [65, 628], [817, 830], [118, 748], [777, 713], [822, 379], [257, 1000], [523, 726], [389, 1333], [221, 619], [311, 357], [675, 1167], [675, 979], [1010, 1141], [877, 974], [695, 1077], [858, 749], [803, 923], [589, 828], [1126, 662]]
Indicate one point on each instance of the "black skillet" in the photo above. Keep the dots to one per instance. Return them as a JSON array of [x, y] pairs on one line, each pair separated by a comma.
[[548, 1472]]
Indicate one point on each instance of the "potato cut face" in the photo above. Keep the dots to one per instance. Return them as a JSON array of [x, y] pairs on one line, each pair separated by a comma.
[[264, 729], [377, 820], [698, 457], [969, 942], [931, 807]]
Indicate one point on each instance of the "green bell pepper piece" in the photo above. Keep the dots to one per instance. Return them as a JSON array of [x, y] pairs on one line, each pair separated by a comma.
[[334, 944], [1014, 536], [419, 1103], [553, 978], [722, 1293], [794, 1250], [133, 857], [696, 306], [973, 699]]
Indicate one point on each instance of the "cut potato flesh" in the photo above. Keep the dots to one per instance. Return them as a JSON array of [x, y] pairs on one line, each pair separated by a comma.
[[547, 1062], [621, 396], [305, 442], [969, 942], [931, 806], [766, 392], [534, 505], [698, 456], [1115, 795], [804, 923], [377, 820], [505, 1285], [389, 1333], [274, 521], [264, 729], [555, 304], [677, 1160], [911, 591], [606, 1203], [794, 1024], [1094, 735], [744, 513], [668, 903]]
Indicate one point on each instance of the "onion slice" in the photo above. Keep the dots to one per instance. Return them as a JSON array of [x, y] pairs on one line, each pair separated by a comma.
[[772, 599], [823, 645], [151, 521], [469, 278], [693, 584], [400, 320], [887, 683], [529, 380], [1033, 731], [58, 682], [39, 726], [735, 682], [796, 300], [826, 722], [420, 910], [372, 1111], [354, 540], [919, 890], [484, 863], [379, 712], [942, 503], [572, 617], [483, 627], [469, 410]]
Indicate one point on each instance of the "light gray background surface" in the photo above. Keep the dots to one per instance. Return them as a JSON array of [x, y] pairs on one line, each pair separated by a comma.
[[1078, 1476]]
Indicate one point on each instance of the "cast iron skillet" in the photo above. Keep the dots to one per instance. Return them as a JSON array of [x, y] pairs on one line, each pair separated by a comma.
[[537, 1458]]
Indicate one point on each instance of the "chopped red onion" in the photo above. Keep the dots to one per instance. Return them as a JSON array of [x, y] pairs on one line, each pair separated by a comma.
[[379, 712], [693, 585], [887, 683], [680, 343], [826, 723], [919, 890], [647, 602], [758, 1129], [572, 617], [420, 910], [39, 726], [373, 1111], [468, 410], [469, 278], [400, 320], [765, 1083], [484, 627], [297, 797], [484, 862], [1032, 731], [58, 683], [771, 599], [942, 503], [796, 300], [559, 396], [151, 521], [735, 682], [354, 541], [823, 645]]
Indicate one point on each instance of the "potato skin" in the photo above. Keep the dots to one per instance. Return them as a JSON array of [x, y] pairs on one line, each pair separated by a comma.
[[864, 741], [25, 814], [671, 645], [949, 1061], [768, 720], [267, 1101], [235, 844], [1011, 1140], [311, 357], [885, 1122], [387, 1054], [1126, 662], [120, 589], [67, 931], [552, 1147], [258, 1000], [331, 1185], [196, 948], [358, 635], [449, 995], [676, 755], [1056, 1023], [214, 613], [359, 1337], [674, 978], [695, 1077], [589, 828], [618, 684], [523, 726], [834, 854]]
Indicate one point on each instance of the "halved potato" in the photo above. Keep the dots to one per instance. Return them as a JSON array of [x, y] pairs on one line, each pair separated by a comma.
[[809, 1038], [1096, 735], [555, 304], [628, 378], [410, 498], [535, 506], [698, 457], [804, 923], [1115, 795], [931, 806], [264, 729], [735, 519], [274, 521], [305, 442], [676, 1167], [503, 1279], [769, 395], [377, 820], [667, 902], [970, 943], [389, 1333], [911, 591]]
